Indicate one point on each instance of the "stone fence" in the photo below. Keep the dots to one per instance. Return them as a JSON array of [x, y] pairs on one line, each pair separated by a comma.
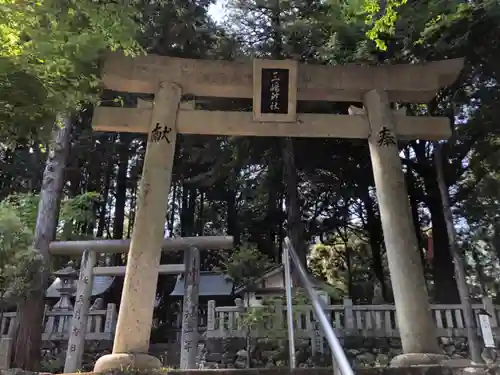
[[100, 326], [371, 321], [367, 322], [226, 321]]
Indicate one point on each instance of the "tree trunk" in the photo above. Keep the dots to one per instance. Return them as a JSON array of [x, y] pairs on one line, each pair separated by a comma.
[[121, 187], [94, 179], [495, 241], [188, 211], [136, 165], [27, 347], [37, 160], [281, 219], [410, 182], [173, 209], [131, 214], [374, 227], [73, 169], [232, 216], [101, 226], [274, 208], [418, 230], [445, 288], [463, 289], [272, 214], [442, 263], [200, 220], [295, 230], [350, 284], [478, 266]]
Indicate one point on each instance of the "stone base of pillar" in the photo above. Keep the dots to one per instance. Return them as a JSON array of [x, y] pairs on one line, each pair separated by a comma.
[[418, 359], [130, 361]]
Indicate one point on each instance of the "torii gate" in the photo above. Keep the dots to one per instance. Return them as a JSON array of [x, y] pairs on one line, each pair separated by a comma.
[[275, 87]]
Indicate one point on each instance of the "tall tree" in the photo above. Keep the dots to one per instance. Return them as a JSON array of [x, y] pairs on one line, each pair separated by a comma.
[[30, 310]]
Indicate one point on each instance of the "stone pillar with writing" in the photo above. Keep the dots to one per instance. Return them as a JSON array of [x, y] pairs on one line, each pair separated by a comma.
[[76, 342], [318, 339], [189, 335], [210, 317], [416, 326], [135, 318]]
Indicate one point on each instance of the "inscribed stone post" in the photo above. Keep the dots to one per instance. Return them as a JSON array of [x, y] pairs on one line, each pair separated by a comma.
[[211, 315], [415, 322], [189, 335], [139, 289], [76, 342], [318, 339]]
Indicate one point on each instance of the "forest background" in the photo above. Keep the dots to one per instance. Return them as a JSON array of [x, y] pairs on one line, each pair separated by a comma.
[[256, 189]]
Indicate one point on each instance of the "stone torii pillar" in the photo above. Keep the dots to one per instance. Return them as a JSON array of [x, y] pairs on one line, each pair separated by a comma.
[[415, 322], [133, 328]]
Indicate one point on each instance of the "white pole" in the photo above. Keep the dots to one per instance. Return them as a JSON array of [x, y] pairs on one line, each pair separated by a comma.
[[340, 358], [289, 311]]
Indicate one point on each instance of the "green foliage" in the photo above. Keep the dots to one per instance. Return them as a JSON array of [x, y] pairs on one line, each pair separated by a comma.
[[385, 24], [74, 211], [80, 207], [269, 317], [49, 53], [18, 214], [25, 206], [341, 264], [16, 256], [244, 264], [321, 259]]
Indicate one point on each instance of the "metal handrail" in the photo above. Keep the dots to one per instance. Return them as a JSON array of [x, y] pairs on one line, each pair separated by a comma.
[[334, 343]]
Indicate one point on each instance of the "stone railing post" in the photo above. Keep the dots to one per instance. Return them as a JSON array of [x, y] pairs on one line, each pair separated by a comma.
[[5, 352], [277, 322], [210, 317], [110, 322], [348, 315], [46, 309], [239, 323], [50, 324], [490, 308], [7, 323], [3, 323], [12, 327]]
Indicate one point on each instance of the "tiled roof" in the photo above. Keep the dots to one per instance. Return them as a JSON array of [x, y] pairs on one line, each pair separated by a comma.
[[99, 285]]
